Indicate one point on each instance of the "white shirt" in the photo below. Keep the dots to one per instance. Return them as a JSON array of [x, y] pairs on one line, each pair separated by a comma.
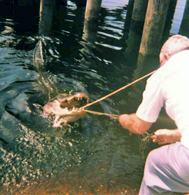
[[169, 87]]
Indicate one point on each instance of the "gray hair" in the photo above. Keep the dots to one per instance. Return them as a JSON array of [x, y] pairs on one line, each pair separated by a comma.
[[175, 44]]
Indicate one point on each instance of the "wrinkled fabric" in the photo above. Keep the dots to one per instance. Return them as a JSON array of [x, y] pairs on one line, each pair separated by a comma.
[[168, 87], [166, 171]]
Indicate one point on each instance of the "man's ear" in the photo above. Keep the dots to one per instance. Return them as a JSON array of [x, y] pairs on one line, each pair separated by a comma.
[[164, 58]]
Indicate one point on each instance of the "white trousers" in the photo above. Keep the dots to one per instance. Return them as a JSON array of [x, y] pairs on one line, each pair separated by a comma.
[[166, 171]]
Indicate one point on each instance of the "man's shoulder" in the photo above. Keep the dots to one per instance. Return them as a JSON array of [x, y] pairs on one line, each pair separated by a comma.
[[176, 64]]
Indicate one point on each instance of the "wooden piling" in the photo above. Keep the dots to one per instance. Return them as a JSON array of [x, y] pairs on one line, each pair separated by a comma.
[[154, 26], [135, 30], [169, 19], [184, 27], [135, 16], [128, 18], [22, 2], [46, 16], [92, 9], [145, 64], [139, 10], [90, 31]]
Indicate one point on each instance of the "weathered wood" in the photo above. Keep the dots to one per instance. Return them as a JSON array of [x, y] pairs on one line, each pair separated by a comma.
[[90, 30], [135, 15], [135, 31], [154, 25], [46, 16], [139, 10], [24, 2], [128, 17], [184, 27], [145, 65], [169, 19], [92, 9]]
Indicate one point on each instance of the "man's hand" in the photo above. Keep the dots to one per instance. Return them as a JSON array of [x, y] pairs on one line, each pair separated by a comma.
[[164, 136]]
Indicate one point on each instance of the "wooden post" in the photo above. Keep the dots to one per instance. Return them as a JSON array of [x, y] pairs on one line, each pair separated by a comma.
[[22, 2], [91, 17], [46, 15], [128, 19], [135, 31], [135, 21], [139, 10], [169, 20], [154, 26], [90, 30], [145, 65], [92, 9], [184, 27]]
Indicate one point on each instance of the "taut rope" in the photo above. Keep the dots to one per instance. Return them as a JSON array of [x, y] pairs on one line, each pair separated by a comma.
[[113, 116], [114, 92]]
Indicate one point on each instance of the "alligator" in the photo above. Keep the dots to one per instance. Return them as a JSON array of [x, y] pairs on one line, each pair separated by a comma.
[[65, 108]]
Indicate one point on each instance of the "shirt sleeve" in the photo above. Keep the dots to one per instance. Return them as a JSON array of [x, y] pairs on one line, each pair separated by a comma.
[[152, 101]]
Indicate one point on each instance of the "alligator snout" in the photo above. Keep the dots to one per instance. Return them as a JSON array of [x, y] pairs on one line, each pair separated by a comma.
[[65, 108], [74, 101]]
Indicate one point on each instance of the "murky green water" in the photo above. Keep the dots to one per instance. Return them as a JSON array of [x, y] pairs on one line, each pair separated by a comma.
[[94, 155]]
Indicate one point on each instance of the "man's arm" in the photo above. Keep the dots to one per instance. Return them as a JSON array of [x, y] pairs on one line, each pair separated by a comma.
[[134, 124]]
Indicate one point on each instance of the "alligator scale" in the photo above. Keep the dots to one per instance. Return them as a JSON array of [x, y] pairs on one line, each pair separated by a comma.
[[65, 108]]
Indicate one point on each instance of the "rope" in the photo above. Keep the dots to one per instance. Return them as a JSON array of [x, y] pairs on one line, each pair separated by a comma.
[[124, 87], [113, 116]]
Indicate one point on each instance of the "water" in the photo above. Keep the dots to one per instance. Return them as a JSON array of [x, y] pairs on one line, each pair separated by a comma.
[[94, 155], [178, 16]]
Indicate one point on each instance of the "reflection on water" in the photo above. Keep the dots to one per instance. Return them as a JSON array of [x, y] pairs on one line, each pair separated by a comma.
[[93, 155], [178, 16]]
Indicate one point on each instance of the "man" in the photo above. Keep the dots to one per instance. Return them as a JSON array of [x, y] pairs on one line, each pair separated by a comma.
[[167, 168]]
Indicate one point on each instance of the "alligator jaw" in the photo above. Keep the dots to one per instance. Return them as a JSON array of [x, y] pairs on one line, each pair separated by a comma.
[[66, 108], [74, 101]]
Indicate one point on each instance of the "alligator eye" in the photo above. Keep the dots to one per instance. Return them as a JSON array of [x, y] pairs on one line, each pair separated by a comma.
[[62, 96]]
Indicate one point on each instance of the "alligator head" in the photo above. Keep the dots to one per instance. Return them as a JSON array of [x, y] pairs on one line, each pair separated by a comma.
[[65, 108]]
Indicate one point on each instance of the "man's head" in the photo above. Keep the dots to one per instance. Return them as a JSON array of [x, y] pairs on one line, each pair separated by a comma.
[[173, 45]]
